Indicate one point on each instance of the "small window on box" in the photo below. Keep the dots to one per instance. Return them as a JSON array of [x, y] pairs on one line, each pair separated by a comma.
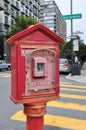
[[40, 67]]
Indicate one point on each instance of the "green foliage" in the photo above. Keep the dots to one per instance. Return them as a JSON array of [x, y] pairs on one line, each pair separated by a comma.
[[65, 50], [21, 23], [82, 50], [81, 54]]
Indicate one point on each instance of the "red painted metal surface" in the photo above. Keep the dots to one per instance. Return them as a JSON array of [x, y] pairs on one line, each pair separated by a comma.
[[35, 123], [35, 116], [31, 49]]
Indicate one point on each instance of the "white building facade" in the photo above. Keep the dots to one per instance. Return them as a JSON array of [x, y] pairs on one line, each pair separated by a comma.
[[50, 16]]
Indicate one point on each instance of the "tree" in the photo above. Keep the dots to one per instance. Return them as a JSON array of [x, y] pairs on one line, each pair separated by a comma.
[[21, 23], [65, 50], [82, 52]]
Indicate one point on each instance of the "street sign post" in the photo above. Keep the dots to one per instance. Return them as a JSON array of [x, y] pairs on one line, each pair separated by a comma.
[[72, 16]]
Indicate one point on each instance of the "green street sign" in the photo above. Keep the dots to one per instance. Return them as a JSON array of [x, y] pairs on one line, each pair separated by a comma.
[[72, 16]]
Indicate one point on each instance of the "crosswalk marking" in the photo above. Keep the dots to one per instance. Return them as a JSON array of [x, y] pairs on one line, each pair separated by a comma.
[[73, 106], [72, 86], [2, 74], [19, 116], [65, 122], [65, 83], [61, 121], [73, 96], [5, 75], [57, 121], [76, 90]]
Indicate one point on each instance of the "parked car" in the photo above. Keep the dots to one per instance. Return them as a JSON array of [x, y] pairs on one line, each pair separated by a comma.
[[4, 65], [64, 65]]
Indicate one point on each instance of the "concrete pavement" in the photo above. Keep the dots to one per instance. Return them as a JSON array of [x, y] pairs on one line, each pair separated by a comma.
[[79, 78]]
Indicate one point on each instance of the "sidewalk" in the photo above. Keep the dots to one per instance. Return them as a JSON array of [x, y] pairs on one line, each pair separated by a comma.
[[79, 78]]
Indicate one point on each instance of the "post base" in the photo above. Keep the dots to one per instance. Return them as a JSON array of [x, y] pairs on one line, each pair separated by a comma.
[[35, 116]]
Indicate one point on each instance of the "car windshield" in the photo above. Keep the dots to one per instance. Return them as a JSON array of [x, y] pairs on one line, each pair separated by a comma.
[[62, 61]]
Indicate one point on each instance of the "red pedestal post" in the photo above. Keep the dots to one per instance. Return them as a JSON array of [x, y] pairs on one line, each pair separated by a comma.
[[35, 116], [35, 123]]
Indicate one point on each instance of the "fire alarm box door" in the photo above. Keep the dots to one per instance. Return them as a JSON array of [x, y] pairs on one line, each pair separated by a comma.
[[39, 67], [40, 70]]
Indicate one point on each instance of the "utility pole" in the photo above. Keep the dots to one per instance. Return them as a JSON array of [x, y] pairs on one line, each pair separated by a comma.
[[72, 37], [71, 11]]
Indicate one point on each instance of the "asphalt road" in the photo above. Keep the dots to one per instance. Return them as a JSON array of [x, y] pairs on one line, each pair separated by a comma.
[[69, 113]]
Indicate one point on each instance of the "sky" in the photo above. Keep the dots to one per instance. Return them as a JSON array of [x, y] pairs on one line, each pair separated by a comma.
[[79, 7]]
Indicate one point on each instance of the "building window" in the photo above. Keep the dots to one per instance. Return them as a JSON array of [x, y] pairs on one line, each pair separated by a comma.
[[6, 28], [17, 4], [6, 20], [48, 17], [6, 6], [12, 22], [23, 1], [26, 1], [48, 21], [12, 11], [49, 25], [17, 13], [27, 12], [50, 6], [22, 8], [12, 1]]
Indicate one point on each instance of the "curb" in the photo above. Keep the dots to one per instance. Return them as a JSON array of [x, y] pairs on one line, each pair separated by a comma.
[[78, 78]]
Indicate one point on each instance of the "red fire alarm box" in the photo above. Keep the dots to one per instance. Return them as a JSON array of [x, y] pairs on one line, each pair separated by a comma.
[[35, 65]]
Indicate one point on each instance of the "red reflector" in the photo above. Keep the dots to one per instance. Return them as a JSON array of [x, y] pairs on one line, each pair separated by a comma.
[[65, 65]]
